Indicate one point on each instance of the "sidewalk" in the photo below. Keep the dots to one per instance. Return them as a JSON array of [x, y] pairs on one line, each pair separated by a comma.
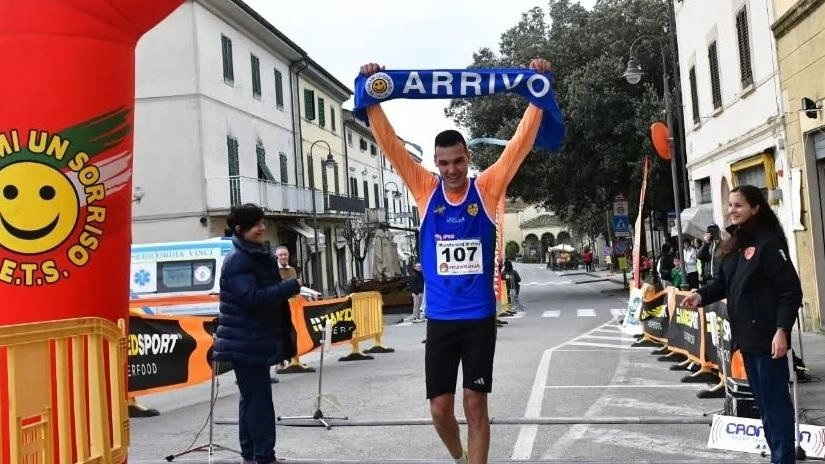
[[811, 395]]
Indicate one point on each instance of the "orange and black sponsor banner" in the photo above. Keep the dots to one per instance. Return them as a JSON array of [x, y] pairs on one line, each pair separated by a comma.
[[655, 317], [310, 317], [167, 353], [685, 330]]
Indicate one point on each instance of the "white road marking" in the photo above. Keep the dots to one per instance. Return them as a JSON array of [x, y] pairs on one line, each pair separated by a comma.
[[586, 313], [606, 345], [553, 313], [675, 385]]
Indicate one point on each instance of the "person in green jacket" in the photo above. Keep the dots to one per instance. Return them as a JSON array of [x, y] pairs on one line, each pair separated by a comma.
[[676, 273]]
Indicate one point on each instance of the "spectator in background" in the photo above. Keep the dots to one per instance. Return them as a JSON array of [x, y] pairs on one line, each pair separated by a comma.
[[587, 257], [691, 269], [287, 272], [709, 253], [676, 273], [416, 282], [665, 266]]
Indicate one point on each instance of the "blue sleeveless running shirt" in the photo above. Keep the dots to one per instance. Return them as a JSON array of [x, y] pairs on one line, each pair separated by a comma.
[[457, 257]]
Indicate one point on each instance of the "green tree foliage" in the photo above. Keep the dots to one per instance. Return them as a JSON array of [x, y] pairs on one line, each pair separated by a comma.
[[511, 250], [608, 120]]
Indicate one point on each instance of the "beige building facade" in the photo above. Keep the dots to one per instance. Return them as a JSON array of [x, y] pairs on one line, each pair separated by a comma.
[[800, 39]]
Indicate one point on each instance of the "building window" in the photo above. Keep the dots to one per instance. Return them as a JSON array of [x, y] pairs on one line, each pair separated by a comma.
[[376, 195], [332, 119], [310, 172], [309, 104], [324, 180], [322, 117], [279, 90], [226, 51], [263, 170], [336, 178], [234, 170], [757, 171], [362, 144], [349, 137], [256, 76], [373, 150], [694, 95], [703, 191], [353, 186], [366, 194], [743, 39], [715, 85], [284, 162]]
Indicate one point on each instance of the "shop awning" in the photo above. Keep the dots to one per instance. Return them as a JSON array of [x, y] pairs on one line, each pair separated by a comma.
[[308, 233]]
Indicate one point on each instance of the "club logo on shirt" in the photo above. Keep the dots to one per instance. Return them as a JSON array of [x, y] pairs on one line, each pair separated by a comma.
[[440, 209], [472, 209], [379, 85], [749, 251]]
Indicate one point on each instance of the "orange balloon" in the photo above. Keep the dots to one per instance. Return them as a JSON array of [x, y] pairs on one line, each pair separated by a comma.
[[658, 135]]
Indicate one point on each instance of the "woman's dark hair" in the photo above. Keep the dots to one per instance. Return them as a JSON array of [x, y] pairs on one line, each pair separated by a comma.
[[244, 216], [764, 219]]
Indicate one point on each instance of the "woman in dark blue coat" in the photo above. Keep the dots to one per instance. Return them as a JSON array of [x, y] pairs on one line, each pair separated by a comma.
[[764, 294], [254, 328]]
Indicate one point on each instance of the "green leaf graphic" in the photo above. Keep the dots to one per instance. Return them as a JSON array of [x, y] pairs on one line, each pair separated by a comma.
[[94, 137]]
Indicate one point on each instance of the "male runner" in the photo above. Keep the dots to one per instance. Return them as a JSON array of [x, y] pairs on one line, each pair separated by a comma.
[[458, 235]]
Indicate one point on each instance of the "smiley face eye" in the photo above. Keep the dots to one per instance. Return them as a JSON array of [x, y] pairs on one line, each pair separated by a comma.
[[47, 192], [10, 192]]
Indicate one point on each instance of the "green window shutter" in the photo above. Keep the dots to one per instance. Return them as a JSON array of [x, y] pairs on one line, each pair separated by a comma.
[[256, 76], [284, 168], [322, 120], [279, 89], [232, 151], [263, 170], [332, 119], [309, 104], [226, 51]]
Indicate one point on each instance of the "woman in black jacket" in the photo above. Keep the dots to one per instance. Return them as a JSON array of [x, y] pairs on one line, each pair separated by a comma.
[[254, 328], [764, 294]]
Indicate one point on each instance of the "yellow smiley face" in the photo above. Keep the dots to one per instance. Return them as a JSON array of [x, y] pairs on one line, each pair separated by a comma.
[[379, 86], [38, 207]]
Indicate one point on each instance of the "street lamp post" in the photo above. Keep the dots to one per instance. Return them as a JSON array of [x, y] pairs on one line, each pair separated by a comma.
[[330, 161], [396, 193], [633, 75]]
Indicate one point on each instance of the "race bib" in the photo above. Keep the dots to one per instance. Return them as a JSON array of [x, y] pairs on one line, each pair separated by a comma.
[[459, 257]]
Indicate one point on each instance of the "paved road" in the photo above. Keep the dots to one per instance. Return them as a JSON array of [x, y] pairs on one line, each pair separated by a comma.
[[564, 356]]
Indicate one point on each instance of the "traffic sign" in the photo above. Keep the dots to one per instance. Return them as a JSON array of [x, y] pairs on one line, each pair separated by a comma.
[[621, 226], [607, 250], [621, 247], [620, 207]]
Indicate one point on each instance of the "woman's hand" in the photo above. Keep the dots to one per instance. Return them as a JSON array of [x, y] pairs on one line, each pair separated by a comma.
[[692, 301], [779, 345]]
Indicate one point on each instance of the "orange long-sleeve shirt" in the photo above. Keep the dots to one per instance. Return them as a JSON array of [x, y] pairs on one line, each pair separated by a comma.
[[492, 183]]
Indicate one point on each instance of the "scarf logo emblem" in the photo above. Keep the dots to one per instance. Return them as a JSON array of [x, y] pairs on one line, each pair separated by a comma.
[[749, 251], [379, 85]]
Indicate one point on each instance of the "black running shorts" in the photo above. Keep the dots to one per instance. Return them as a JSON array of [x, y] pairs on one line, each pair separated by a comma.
[[469, 341]]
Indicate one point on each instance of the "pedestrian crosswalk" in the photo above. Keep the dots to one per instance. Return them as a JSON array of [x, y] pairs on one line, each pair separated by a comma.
[[582, 312]]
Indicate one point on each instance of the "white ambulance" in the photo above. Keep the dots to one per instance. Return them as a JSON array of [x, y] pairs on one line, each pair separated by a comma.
[[175, 269]]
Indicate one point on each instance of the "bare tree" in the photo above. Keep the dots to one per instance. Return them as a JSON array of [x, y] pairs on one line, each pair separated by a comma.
[[358, 236]]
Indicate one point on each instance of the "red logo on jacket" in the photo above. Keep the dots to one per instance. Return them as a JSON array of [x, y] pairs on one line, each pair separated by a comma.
[[749, 251]]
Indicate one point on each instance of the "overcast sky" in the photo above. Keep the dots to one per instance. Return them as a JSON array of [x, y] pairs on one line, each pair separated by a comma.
[[401, 34]]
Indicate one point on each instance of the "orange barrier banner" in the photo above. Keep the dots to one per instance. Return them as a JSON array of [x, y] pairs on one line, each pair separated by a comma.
[[169, 352], [310, 317]]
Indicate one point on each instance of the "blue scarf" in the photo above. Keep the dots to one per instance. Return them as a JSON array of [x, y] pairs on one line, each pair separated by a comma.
[[462, 83]]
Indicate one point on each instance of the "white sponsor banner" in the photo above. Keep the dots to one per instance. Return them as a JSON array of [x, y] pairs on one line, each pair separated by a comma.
[[632, 325], [747, 435]]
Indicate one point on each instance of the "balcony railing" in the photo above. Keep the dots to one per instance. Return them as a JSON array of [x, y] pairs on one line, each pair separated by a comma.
[[223, 193], [343, 204]]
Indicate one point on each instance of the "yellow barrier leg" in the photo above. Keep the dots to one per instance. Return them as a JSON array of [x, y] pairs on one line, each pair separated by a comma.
[[136, 410], [295, 366], [356, 354], [377, 347]]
